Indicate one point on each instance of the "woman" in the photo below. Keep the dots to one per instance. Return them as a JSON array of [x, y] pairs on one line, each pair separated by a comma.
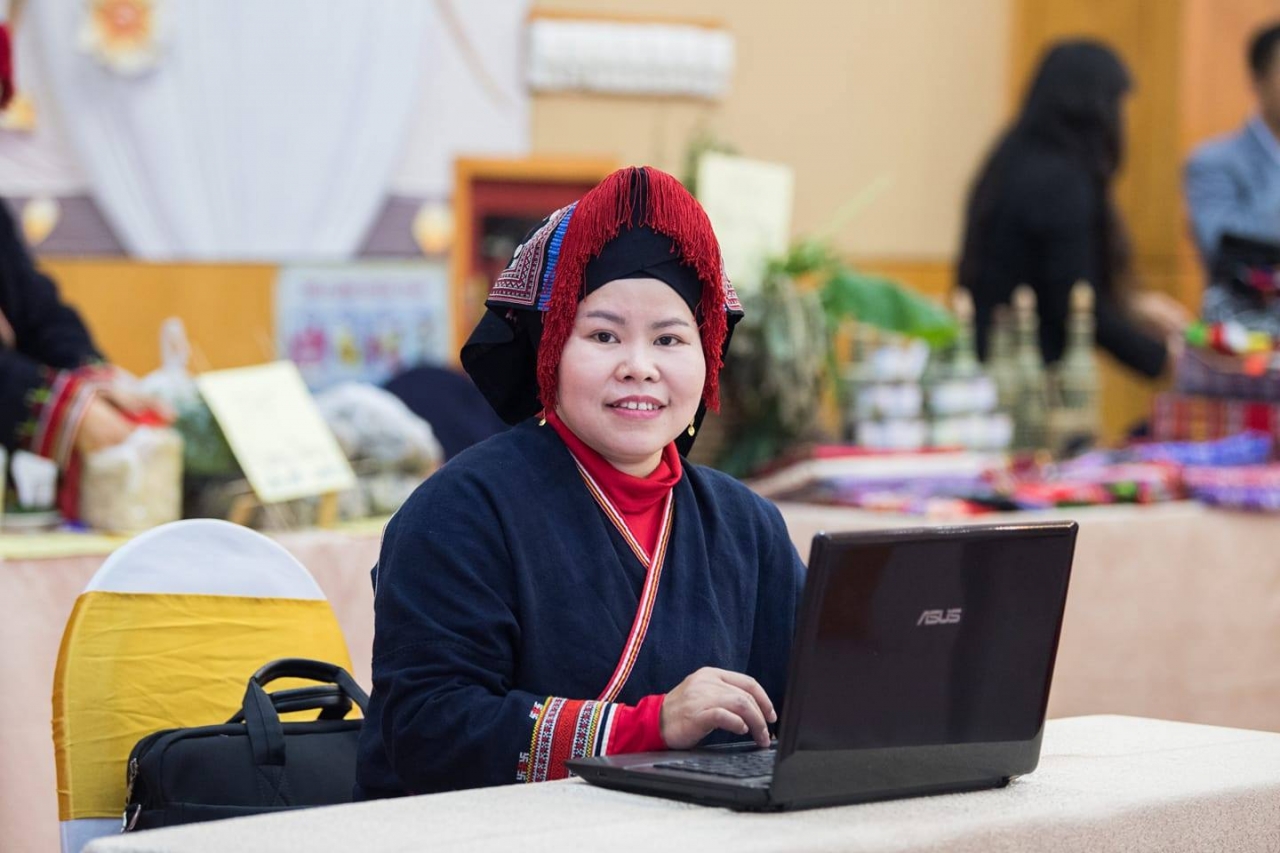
[[1041, 213], [573, 587]]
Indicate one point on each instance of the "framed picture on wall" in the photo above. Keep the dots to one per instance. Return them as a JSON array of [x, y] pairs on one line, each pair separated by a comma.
[[496, 202]]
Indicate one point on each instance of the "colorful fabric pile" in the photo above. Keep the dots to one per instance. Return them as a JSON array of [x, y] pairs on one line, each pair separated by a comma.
[[1233, 472], [1253, 488]]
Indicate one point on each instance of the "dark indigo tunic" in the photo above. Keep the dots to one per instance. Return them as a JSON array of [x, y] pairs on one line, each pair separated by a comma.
[[501, 583]]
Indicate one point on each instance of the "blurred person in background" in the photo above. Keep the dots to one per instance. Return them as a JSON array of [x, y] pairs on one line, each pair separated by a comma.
[[1041, 213], [1232, 185], [58, 397]]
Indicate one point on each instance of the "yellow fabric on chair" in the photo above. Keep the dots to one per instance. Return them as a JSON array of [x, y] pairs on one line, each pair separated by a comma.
[[175, 663], [166, 635]]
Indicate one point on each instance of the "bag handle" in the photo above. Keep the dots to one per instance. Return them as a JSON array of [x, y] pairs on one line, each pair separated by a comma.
[[262, 720], [312, 670], [328, 699]]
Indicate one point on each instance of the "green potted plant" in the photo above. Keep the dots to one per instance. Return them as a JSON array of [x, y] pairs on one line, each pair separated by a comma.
[[784, 361]]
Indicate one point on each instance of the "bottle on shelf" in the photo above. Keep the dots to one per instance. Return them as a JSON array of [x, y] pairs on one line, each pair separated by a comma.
[[1077, 375], [1002, 364], [964, 361], [857, 378], [1031, 406]]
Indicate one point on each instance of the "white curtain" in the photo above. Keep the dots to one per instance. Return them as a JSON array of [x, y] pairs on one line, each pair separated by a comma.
[[268, 129], [38, 162], [474, 101]]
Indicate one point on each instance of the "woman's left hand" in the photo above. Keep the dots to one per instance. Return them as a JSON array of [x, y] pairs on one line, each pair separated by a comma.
[[711, 699]]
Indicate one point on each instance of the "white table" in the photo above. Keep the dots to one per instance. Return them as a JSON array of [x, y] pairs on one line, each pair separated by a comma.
[[1104, 784], [1173, 610], [1173, 613]]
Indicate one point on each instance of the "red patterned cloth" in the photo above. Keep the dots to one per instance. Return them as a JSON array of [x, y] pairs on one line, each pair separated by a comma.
[[57, 410], [1182, 417]]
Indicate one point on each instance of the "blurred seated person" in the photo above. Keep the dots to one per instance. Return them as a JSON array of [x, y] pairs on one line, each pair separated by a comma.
[[1232, 185], [459, 414], [58, 397], [1041, 213]]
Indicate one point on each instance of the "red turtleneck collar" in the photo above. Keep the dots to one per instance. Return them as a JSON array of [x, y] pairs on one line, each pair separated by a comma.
[[638, 499]]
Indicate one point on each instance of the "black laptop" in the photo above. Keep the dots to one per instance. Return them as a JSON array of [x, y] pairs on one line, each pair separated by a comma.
[[921, 665]]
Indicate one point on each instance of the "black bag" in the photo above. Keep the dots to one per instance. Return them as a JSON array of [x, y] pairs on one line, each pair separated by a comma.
[[254, 763]]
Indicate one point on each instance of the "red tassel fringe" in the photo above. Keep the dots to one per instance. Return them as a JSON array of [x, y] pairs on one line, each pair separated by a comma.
[[601, 213], [6, 66]]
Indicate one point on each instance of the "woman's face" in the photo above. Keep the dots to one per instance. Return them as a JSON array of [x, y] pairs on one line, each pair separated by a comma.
[[632, 372]]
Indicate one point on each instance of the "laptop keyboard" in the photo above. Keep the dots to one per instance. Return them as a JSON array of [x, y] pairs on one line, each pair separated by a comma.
[[735, 765]]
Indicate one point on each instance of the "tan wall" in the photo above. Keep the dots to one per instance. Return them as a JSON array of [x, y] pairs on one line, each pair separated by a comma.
[[846, 91], [1217, 96], [227, 309]]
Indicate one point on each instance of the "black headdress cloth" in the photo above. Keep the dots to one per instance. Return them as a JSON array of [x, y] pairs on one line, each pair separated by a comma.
[[637, 223]]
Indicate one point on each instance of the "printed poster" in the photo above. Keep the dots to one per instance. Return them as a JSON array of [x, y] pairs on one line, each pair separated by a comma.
[[363, 322]]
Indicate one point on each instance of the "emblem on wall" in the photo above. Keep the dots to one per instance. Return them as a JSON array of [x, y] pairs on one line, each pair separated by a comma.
[[123, 35]]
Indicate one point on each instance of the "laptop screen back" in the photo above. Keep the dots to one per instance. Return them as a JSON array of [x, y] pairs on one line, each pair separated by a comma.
[[928, 637]]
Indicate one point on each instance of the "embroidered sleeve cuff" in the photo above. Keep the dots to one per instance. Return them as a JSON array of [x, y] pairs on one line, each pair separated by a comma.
[[564, 729], [56, 410], [638, 728]]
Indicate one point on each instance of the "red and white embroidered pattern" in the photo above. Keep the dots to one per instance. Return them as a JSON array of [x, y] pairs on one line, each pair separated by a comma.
[[653, 575], [564, 729]]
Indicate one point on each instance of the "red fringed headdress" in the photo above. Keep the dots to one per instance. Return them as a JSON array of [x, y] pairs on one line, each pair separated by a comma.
[[633, 197]]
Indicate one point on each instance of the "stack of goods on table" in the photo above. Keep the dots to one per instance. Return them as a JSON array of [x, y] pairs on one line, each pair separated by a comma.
[[903, 397], [1228, 378], [926, 483], [1235, 472], [1228, 381]]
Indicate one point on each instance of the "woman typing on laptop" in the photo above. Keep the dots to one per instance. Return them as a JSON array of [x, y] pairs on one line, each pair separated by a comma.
[[573, 587]]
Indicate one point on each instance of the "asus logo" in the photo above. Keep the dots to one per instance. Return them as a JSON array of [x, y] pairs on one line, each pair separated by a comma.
[[939, 617]]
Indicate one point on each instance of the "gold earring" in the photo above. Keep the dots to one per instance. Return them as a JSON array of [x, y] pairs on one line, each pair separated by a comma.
[[692, 429], [542, 418]]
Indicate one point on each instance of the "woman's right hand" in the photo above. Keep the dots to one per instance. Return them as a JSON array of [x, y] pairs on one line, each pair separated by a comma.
[[1162, 312], [102, 426], [711, 699]]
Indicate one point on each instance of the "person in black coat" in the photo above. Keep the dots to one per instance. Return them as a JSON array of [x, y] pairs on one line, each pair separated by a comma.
[[1041, 213], [57, 394]]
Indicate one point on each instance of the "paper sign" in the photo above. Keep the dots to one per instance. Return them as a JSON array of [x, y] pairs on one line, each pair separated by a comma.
[[749, 204], [276, 432]]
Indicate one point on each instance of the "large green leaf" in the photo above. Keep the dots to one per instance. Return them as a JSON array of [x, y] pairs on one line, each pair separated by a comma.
[[886, 305]]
